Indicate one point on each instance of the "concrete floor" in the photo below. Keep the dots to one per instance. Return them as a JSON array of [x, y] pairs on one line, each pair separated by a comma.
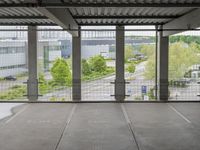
[[102, 126]]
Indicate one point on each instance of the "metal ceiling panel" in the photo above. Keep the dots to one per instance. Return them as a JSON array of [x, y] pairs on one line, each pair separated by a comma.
[[28, 14]]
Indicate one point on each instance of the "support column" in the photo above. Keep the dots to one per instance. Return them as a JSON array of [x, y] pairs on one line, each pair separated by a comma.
[[76, 67], [32, 83], [120, 81], [162, 68]]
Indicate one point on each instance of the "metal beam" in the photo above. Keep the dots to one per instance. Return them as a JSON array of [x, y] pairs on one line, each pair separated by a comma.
[[125, 17], [73, 5], [188, 21], [28, 24], [117, 24], [61, 17], [23, 17]]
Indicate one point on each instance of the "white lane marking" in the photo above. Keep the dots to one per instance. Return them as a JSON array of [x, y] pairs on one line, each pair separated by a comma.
[[71, 114], [17, 114], [180, 114], [66, 126], [130, 125]]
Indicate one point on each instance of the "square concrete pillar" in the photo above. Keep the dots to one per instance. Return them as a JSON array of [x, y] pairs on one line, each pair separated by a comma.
[[162, 68], [32, 83], [120, 81], [76, 67]]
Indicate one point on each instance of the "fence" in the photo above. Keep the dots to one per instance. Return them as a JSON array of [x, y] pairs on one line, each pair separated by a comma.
[[98, 90]]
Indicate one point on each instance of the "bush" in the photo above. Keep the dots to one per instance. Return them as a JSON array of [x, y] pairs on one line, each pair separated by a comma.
[[151, 93], [17, 91], [95, 67], [43, 85], [61, 72], [97, 63], [86, 70], [131, 68]]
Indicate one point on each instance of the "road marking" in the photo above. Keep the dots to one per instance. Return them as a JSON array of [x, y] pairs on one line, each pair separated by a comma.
[[180, 114], [130, 126], [66, 125], [17, 114]]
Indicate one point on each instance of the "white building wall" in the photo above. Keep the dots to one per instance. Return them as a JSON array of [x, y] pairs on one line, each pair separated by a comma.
[[88, 51], [54, 55], [12, 59], [12, 71]]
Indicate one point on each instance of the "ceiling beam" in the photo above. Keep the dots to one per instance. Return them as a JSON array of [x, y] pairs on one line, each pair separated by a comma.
[[116, 24], [71, 5], [125, 17], [23, 17], [27, 24], [61, 17], [188, 21], [93, 17]]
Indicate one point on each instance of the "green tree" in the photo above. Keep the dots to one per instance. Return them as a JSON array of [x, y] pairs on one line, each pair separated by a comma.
[[61, 73], [128, 52], [148, 50], [86, 70], [150, 68], [98, 63], [185, 38], [181, 57], [131, 68]]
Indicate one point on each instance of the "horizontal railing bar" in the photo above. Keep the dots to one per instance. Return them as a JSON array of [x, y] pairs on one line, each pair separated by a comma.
[[102, 30], [100, 101]]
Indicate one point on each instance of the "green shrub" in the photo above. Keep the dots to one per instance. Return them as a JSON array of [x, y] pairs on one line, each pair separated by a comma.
[[43, 85], [97, 63], [86, 69], [131, 68], [61, 72], [17, 91]]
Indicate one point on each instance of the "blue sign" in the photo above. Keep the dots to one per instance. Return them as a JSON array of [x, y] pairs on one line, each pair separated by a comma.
[[144, 89]]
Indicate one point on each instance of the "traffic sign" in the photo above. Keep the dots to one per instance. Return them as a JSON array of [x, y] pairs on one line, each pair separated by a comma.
[[144, 89]]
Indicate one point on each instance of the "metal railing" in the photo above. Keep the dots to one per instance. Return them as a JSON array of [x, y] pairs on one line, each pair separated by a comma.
[[140, 90], [13, 91], [48, 92], [101, 90], [184, 91], [98, 90]]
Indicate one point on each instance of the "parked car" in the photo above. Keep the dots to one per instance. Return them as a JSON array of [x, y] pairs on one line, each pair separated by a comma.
[[10, 78]]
